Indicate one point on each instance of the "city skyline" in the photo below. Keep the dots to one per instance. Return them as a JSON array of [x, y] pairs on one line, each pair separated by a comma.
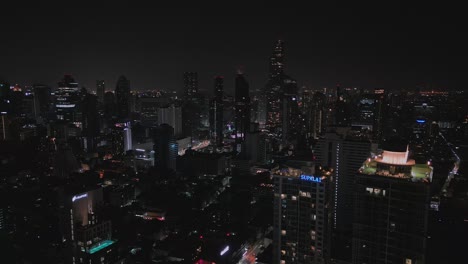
[[365, 46]]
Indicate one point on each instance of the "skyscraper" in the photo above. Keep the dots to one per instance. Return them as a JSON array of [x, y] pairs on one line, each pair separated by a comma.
[[41, 100], [172, 116], [100, 90], [392, 197], [242, 108], [302, 196], [344, 154], [190, 84], [90, 121], [273, 90], [87, 234], [122, 94], [66, 99], [216, 112], [165, 147]]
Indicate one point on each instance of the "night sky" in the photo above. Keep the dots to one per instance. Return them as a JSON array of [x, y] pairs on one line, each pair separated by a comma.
[[378, 45]]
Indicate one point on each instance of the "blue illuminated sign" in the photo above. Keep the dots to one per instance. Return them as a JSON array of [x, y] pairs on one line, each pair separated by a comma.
[[421, 121], [310, 178]]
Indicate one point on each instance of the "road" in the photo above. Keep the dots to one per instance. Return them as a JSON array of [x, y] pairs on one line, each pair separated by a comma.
[[454, 171]]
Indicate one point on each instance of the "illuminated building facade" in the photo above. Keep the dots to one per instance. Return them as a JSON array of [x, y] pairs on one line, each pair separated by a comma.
[[392, 198], [66, 99], [216, 112], [88, 235], [302, 197]]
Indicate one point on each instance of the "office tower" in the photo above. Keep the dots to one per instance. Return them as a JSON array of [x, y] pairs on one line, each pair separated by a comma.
[[273, 90], [90, 121], [84, 229], [366, 111], [392, 196], [302, 197], [4, 97], [4, 126], [41, 101], [66, 99], [318, 114], [121, 138], [290, 110], [190, 84], [255, 146], [165, 147], [216, 112], [342, 111], [122, 96], [379, 115], [344, 154], [172, 116], [242, 108], [110, 107], [100, 90]]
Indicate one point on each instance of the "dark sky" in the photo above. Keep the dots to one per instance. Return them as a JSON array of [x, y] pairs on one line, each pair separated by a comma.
[[381, 45]]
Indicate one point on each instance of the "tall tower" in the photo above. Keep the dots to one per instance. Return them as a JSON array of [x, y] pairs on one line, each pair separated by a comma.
[[242, 108], [216, 111], [66, 99], [392, 197], [165, 147], [302, 197], [190, 84], [273, 90], [122, 94], [345, 155], [100, 90]]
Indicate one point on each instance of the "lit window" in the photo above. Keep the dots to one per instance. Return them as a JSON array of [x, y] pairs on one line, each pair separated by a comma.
[[283, 262], [283, 232], [408, 261], [294, 198], [283, 252], [283, 196]]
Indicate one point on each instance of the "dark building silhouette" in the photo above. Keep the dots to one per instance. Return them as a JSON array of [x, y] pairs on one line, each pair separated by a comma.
[[242, 108], [391, 204], [123, 96], [190, 83], [100, 90], [90, 121], [110, 107], [42, 100], [165, 147], [216, 112]]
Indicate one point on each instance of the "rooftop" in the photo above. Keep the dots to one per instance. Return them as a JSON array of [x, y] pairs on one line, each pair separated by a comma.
[[101, 245]]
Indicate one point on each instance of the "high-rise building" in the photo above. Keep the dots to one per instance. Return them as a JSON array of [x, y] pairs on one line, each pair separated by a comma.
[[344, 154], [391, 204], [242, 108], [216, 112], [302, 197], [122, 94], [90, 121], [318, 114], [121, 138], [86, 232], [172, 116], [379, 114], [100, 90], [66, 99], [290, 110], [41, 100], [4, 97], [273, 90], [190, 84], [165, 147]]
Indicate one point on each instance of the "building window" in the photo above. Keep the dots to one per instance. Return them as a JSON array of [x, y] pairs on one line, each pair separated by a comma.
[[283, 262], [283, 232], [283, 252], [409, 261], [284, 196], [294, 198]]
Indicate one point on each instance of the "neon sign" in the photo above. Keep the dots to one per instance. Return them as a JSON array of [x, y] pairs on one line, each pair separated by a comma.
[[310, 178], [421, 121], [226, 249], [77, 197]]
